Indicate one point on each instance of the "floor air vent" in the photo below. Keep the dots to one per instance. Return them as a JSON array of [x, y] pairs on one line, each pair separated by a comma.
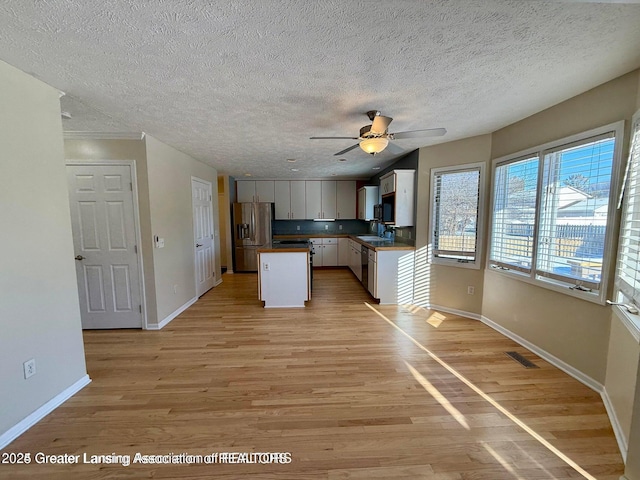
[[521, 360]]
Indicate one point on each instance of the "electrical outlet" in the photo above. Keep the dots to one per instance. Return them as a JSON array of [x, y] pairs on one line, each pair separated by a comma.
[[29, 368], [326, 227], [339, 227], [297, 227], [266, 267], [471, 290]]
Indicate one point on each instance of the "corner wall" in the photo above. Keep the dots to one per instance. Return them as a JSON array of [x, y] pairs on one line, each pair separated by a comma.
[[39, 311]]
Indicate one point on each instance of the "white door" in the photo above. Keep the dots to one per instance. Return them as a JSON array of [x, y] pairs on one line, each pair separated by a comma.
[[104, 240], [203, 235]]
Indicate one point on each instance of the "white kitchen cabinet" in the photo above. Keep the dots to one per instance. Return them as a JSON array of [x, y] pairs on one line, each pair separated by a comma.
[[313, 198], [355, 262], [393, 276], [346, 199], [321, 199], [282, 199], [325, 252], [397, 190], [298, 203], [255, 191], [344, 252], [367, 198], [289, 200], [328, 201]]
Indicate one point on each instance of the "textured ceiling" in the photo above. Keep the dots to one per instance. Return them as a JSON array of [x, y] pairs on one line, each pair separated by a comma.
[[243, 85]]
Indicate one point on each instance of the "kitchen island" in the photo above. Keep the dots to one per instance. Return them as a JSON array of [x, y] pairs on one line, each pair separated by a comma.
[[284, 274]]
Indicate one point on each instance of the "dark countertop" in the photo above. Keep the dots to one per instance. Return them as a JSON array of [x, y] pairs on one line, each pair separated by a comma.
[[377, 244]]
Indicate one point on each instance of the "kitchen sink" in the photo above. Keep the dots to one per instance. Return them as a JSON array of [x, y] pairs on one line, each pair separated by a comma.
[[369, 238]]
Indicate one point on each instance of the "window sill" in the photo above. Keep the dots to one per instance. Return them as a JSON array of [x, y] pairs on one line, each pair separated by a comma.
[[632, 322], [549, 284], [454, 263]]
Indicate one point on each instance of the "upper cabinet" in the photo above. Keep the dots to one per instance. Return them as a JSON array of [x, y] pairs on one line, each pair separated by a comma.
[[255, 191], [322, 199], [345, 199], [367, 198], [397, 191], [302, 199], [289, 200]]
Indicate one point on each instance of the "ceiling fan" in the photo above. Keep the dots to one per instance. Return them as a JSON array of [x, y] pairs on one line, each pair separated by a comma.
[[374, 138]]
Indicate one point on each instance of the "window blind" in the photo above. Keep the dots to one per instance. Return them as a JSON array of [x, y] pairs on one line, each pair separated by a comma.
[[455, 214], [628, 269], [574, 204], [514, 213]]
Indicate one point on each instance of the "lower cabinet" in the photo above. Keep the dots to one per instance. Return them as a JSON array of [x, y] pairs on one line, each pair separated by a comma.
[[325, 252], [344, 252], [371, 279]]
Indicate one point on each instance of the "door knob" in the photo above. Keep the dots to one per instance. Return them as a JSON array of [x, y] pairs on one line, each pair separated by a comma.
[[79, 257], [198, 245]]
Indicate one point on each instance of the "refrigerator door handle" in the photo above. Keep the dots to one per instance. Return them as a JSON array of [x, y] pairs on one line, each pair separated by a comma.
[[252, 225]]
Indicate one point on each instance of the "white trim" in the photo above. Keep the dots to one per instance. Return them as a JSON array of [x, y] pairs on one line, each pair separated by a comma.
[[218, 282], [29, 421], [553, 360], [454, 311], [172, 315], [136, 218], [615, 424], [103, 135]]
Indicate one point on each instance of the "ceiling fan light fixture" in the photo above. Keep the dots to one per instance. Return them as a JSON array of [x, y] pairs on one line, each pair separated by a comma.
[[374, 145]]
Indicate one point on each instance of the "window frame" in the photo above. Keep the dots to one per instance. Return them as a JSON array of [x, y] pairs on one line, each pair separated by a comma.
[[610, 241], [475, 264], [631, 321]]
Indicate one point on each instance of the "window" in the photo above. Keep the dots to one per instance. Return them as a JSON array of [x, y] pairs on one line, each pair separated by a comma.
[[553, 210], [457, 194], [628, 269]]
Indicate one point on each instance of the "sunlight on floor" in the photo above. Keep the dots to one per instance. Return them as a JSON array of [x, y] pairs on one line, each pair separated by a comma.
[[436, 319], [487, 398], [501, 460], [439, 397]]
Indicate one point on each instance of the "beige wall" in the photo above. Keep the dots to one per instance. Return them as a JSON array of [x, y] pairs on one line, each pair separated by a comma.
[[39, 311], [170, 173], [622, 369], [573, 330], [126, 150], [438, 284]]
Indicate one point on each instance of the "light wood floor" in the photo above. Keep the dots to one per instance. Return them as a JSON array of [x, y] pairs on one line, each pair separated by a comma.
[[350, 391]]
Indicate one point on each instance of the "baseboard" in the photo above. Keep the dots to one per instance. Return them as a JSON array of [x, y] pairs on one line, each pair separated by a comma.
[[615, 424], [454, 311], [171, 316], [25, 424], [555, 361], [218, 282]]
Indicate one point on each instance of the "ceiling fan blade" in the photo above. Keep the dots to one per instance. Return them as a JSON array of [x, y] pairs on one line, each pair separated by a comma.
[[393, 149], [429, 132], [346, 150], [332, 138], [380, 124]]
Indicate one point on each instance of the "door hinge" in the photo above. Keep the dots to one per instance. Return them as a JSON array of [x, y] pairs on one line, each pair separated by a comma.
[[210, 198], [135, 248], [140, 308], [131, 186]]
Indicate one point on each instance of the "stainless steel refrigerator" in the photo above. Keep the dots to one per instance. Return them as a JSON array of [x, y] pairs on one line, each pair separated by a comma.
[[252, 229]]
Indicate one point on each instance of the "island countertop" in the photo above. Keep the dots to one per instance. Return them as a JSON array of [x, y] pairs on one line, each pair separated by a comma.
[[370, 241]]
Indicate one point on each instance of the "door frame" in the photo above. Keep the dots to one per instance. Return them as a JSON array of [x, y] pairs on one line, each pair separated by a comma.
[[136, 219], [217, 280]]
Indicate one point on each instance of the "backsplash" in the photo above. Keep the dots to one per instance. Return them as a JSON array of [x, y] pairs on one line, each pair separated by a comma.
[[349, 227], [308, 227]]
